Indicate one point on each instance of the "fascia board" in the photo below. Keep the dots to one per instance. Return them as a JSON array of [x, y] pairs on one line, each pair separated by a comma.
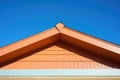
[[90, 43], [36, 41]]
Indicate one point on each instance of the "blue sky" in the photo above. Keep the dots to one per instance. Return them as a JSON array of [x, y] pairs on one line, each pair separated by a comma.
[[22, 18]]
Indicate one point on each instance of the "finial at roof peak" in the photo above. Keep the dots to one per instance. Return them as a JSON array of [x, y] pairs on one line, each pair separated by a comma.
[[59, 26]]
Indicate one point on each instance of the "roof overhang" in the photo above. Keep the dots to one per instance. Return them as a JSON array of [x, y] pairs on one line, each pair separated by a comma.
[[60, 32]]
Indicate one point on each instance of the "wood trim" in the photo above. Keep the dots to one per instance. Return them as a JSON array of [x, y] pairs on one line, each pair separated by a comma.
[[87, 42], [31, 43], [59, 26]]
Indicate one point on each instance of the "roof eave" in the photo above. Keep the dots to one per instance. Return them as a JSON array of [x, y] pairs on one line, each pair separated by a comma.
[[89, 43], [28, 44]]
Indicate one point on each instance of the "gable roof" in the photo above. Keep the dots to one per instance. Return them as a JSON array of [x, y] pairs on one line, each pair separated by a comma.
[[60, 32]]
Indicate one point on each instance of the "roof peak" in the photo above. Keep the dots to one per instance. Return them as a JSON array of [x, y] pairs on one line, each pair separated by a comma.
[[59, 26]]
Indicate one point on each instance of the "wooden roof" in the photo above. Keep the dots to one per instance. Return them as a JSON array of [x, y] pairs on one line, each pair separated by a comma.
[[60, 32]]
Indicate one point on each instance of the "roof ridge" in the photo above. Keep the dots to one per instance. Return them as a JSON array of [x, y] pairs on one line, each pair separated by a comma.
[[59, 26]]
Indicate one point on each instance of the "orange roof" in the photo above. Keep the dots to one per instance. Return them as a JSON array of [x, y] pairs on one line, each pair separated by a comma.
[[60, 32]]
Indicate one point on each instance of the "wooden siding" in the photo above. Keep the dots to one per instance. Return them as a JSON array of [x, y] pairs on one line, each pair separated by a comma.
[[60, 55]]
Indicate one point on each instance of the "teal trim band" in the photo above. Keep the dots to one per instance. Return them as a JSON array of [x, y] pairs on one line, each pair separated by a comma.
[[63, 72]]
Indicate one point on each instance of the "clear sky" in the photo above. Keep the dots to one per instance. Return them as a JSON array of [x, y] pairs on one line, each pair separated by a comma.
[[22, 18]]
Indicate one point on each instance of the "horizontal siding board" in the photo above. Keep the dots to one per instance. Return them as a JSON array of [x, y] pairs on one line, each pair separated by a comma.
[[55, 65], [56, 58]]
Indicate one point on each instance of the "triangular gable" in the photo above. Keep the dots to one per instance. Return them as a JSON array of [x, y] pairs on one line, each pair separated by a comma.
[[59, 55], [60, 32]]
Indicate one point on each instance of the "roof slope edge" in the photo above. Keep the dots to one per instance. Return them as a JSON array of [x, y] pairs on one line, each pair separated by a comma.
[[28, 44], [87, 42]]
